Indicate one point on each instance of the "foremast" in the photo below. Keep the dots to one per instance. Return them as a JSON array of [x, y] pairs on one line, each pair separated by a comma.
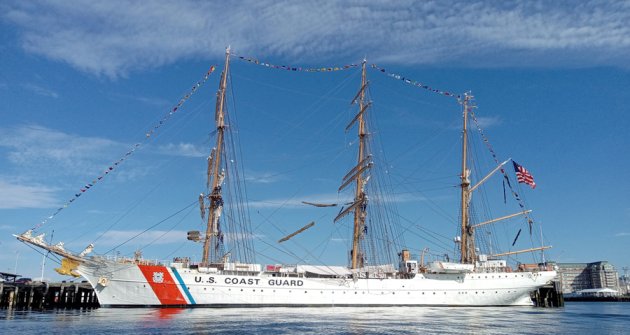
[[213, 237]]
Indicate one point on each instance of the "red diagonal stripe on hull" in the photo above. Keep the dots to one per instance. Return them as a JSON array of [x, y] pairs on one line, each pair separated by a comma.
[[167, 291]]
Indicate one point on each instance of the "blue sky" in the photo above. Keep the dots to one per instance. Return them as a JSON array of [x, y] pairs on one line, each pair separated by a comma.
[[81, 83]]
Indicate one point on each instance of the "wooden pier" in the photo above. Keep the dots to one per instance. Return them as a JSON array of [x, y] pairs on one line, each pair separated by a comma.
[[42, 295], [549, 296]]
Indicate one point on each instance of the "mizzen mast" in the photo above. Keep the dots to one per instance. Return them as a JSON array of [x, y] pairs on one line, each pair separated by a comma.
[[467, 231], [214, 238]]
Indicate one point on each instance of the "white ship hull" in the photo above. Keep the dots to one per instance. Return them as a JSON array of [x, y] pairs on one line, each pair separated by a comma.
[[123, 285]]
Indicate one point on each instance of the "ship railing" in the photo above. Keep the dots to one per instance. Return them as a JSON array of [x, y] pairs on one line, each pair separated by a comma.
[[129, 260]]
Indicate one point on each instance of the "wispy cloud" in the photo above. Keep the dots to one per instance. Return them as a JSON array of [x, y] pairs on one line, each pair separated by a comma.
[[13, 196], [487, 122], [152, 101], [40, 90], [157, 237], [263, 177], [182, 149], [34, 147], [115, 237], [622, 234], [133, 35], [296, 202]]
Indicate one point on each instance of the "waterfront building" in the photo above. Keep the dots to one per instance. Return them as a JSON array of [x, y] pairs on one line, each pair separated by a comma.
[[576, 277]]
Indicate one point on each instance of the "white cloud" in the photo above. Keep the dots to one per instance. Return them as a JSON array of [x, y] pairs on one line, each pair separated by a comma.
[[296, 202], [40, 90], [112, 38], [487, 122], [622, 234], [157, 237], [115, 237], [34, 147], [182, 149], [14, 196], [262, 177]]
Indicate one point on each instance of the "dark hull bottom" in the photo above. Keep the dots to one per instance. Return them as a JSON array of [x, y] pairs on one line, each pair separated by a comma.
[[291, 305]]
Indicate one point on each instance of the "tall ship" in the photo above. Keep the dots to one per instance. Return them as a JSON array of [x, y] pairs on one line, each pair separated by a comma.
[[228, 276]]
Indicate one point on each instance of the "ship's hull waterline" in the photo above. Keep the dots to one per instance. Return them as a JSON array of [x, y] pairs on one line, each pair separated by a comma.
[[129, 285]]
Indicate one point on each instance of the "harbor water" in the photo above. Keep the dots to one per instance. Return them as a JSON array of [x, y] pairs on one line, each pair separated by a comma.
[[574, 318]]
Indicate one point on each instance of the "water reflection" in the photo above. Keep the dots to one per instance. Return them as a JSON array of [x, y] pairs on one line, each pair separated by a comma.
[[576, 318], [167, 313]]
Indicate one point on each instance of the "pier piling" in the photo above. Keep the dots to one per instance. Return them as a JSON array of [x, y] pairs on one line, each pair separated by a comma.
[[43, 295]]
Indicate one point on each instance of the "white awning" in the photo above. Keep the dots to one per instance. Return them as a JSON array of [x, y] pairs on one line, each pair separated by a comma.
[[597, 290]]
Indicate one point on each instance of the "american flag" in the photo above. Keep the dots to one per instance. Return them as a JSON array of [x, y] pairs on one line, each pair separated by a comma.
[[523, 176]]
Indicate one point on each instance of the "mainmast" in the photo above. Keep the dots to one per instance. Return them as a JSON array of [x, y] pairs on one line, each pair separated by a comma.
[[214, 237], [357, 175], [467, 231], [360, 197]]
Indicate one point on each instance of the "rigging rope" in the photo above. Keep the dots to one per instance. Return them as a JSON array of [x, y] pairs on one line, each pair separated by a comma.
[[153, 226], [135, 147]]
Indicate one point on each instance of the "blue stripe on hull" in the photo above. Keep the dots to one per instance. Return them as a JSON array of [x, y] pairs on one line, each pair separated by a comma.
[[181, 283]]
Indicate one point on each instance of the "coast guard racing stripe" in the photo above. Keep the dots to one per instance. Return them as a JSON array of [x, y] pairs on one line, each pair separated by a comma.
[[183, 286], [163, 285]]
